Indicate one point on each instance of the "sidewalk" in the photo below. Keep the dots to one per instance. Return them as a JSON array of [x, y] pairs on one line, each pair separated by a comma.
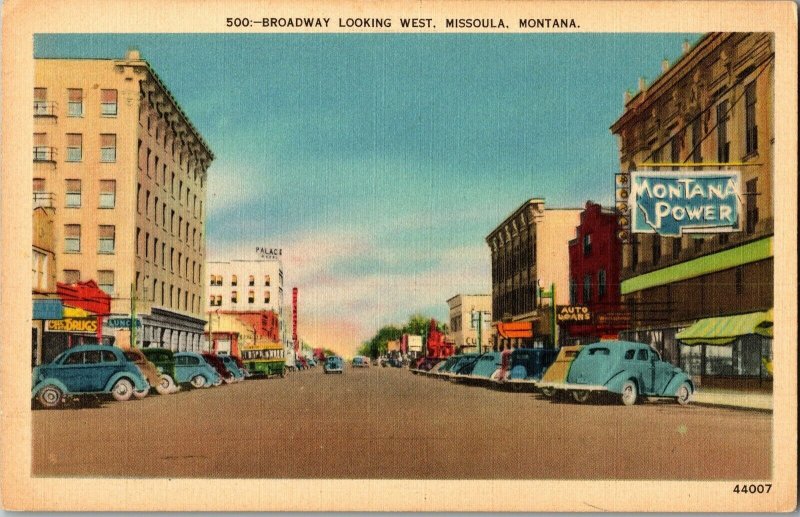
[[758, 401]]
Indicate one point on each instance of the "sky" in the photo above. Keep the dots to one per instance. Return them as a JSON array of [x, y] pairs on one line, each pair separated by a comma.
[[379, 163]]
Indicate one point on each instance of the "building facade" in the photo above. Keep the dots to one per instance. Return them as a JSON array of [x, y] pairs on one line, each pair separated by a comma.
[[126, 172], [595, 261], [529, 252], [713, 109], [463, 332]]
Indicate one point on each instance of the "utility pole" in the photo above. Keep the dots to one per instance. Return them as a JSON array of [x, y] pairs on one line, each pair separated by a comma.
[[133, 316], [552, 295]]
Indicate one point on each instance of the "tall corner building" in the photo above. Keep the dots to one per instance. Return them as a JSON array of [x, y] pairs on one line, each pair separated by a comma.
[[125, 171], [713, 109]]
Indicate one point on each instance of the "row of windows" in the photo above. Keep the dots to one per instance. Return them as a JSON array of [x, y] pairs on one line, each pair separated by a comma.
[[182, 261], [216, 280], [513, 258], [106, 237], [216, 300], [154, 167], [42, 106], [73, 197], [105, 279], [43, 152], [174, 225], [519, 300], [588, 284]]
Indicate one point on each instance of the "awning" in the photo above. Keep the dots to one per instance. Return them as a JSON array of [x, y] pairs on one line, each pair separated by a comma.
[[724, 330], [517, 329]]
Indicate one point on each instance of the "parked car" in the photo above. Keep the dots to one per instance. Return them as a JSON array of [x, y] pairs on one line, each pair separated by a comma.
[[444, 367], [301, 363], [359, 362], [230, 364], [192, 368], [464, 365], [627, 369], [165, 363], [242, 366], [87, 370], [311, 362], [527, 365], [150, 372], [216, 363], [334, 364], [484, 366], [557, 372]]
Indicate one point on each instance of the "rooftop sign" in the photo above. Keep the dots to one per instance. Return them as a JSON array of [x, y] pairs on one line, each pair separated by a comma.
[[672, 203]]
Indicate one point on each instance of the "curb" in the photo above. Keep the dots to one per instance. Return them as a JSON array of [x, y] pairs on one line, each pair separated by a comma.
[[731, 406]]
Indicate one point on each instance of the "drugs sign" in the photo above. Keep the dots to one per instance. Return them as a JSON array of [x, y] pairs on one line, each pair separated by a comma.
[[673, 203]]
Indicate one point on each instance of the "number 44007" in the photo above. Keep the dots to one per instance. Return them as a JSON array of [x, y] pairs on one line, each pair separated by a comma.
[[752, 489]]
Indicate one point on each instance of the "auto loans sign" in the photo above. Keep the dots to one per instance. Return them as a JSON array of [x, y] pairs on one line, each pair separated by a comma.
[[673, 203]]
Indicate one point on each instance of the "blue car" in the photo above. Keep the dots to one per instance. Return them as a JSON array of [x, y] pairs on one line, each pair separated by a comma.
[[464, 365], [87, 369], [192, 368], [230, 364], [485, 366], [334, 364], [626, 369]]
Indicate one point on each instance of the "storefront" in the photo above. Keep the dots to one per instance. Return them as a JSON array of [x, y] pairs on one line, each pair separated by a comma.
[[44, 309]]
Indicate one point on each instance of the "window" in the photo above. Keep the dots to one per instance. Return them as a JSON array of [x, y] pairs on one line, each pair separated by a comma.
[[147, 204], [72, 238], [108, 193], [138, 235], [39, 268], [587, 289], [266, 280], [751, 189], [109, 357], [164, 255], [266, 296], [751, 130], [573, 292], [630, 354], [108, 148], [171, 260], [212, 301], [251, 297], [155, 210], [108, 103], [675, 151], [251, 281], [697, 155], [75, 102], [105, 280], [723, 146], [676, 248], [601, 284], [234, 297], [656, 248], [234, 280], [72, 276], [587, 243], [146, 245], [40, 104], [72, 198], [599, 351], [74, 358], [219, 299], [41, 151], [642, 355]]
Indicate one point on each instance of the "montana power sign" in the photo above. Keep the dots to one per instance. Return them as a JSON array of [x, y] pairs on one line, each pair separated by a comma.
[[673, 203]]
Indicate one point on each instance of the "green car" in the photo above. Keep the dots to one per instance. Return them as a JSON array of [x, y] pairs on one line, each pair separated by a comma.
[[165, 362], [626, 369]]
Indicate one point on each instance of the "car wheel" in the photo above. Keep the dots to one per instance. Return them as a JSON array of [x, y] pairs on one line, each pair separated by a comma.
[[581, 396], [547, 392], [218, 382], [629, 393], [198, 381], [122, 390], [49, 396], [141, 394], [228, 380], [166, 386], [684, 394]]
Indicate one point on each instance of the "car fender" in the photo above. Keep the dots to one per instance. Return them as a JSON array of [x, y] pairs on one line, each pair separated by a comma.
[[49, 380], [614, 384], [139, 383], [675, 382], [210, 375]]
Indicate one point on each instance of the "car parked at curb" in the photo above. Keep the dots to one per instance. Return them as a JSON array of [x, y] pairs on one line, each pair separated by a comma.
[[557, 372], [484, 366], [165, 363], [526, 365], [217, 363], [334, 364], [230, 364], [629, 370], [464, 365], [359, 362], [192, 368], [150, 372], [87, 370]]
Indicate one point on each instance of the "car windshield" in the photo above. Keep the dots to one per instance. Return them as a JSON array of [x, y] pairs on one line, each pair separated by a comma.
[[599, 351]]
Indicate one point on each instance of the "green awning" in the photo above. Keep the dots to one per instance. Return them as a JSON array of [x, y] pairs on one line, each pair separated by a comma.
[[725, 329]]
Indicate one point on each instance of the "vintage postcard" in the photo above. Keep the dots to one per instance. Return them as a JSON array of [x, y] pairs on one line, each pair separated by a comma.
[[427, 256]]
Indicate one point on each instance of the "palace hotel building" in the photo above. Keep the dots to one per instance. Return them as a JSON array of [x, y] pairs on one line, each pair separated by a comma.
[[125, 173], [704, 300]]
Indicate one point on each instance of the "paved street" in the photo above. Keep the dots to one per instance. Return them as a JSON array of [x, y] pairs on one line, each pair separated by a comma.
[[388, 423]]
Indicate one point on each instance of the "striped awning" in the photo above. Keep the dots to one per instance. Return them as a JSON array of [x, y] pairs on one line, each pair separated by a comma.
[[724, 330]]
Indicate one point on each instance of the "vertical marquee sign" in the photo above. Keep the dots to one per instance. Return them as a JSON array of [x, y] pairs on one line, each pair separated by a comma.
[[294, 319]]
